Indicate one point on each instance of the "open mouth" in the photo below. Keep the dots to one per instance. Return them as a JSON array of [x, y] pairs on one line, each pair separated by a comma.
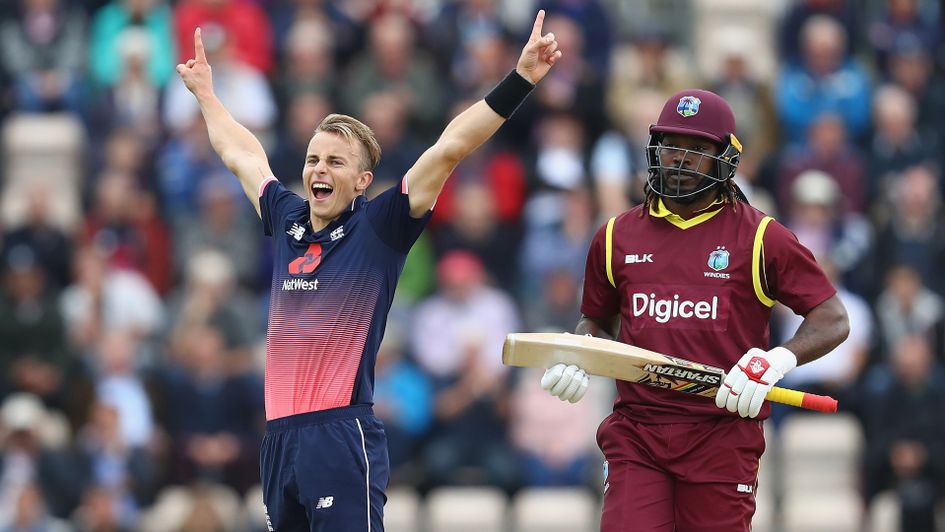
[[321, 191]]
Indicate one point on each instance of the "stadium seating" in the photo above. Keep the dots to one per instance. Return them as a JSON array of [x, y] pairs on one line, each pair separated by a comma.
[[554, 510], [466, 509], [402, 511]]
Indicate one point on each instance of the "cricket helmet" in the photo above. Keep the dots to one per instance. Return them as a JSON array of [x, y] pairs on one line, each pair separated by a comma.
[[699, 113]]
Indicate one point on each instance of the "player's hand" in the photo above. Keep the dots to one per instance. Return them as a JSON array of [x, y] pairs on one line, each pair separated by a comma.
[[196, 72], [540, 53], [567, 383], [750, 380]]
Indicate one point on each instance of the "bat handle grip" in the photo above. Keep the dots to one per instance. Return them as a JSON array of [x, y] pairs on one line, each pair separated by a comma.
[[810, 401]]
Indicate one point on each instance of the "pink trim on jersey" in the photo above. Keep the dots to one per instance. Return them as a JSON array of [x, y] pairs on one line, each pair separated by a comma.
[[262, 186], [403, 186]]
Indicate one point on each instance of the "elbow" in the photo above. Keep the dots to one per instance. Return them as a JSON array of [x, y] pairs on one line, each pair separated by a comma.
[[841, 324], [452, 150]]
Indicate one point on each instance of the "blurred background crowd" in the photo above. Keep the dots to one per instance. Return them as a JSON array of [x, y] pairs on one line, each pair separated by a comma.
[[135, 276]]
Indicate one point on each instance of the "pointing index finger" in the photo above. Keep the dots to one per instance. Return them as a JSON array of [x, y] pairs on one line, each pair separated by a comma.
[[536, 29], [198, 47]]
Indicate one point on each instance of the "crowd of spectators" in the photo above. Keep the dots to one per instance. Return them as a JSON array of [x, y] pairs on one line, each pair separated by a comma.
[[132, 334]]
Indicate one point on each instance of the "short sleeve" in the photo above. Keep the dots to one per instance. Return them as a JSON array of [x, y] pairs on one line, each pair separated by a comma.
[[276, 203], [389, 215], [792, 275], [600, 298]]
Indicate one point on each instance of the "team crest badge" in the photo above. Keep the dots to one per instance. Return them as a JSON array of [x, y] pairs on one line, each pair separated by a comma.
[[688, 106], [718, 259]]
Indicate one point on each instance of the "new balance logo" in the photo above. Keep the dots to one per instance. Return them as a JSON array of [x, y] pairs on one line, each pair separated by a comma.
[[296, 232], [636, 259], [337, 233], [324, 502], [744, 488]]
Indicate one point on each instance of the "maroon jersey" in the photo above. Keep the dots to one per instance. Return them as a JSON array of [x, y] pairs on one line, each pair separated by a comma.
[[700, 289]]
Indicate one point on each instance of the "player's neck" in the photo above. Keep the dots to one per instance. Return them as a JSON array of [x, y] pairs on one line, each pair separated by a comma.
[[689, 210], [319, 223]]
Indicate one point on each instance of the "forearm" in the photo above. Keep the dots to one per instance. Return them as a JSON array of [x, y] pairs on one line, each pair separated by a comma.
[[598, 327], [469, 130], [464, 134], [825, 327], [229, 138]]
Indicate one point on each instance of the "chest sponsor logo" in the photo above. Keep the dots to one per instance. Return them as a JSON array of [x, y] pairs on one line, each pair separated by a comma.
[[718, 261], [299, 284], [675, 307], [638, 258], [308, 262]]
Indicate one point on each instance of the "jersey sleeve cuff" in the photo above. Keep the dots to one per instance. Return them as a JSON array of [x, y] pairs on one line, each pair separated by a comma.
[[262, 186]]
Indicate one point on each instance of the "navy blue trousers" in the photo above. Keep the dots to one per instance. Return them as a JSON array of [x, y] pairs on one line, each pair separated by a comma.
[[325, 471]]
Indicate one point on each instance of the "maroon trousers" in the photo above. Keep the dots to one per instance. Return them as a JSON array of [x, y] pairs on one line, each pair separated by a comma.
[[683, 477]]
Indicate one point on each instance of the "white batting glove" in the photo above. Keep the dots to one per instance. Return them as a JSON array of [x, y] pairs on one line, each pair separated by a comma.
[[750, 380], [567, 383]]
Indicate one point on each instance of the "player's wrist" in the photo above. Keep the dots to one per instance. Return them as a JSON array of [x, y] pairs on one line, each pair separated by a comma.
[[509, 94], [783, 359]]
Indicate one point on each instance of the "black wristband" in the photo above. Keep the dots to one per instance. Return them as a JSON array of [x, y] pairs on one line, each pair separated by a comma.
[[505, 98]]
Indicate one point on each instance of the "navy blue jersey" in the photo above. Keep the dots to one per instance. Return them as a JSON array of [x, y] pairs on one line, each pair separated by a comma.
[[331, 292]]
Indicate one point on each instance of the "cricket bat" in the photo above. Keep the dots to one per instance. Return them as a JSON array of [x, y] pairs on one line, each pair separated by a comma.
[[607, 358]]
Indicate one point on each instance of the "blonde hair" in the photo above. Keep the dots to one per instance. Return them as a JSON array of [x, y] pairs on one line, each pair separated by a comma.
[[353, 129]]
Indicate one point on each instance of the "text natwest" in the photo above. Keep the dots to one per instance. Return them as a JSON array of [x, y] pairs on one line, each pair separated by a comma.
[[300, 284]]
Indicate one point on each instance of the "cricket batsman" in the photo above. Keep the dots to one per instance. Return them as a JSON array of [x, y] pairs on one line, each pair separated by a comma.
[[694, 272]]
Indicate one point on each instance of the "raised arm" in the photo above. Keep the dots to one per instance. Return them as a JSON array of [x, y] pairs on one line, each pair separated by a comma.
[[479, 122], [240, 151]]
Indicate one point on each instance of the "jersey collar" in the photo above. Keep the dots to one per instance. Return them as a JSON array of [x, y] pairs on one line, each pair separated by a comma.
[[324, 235], [660, 211]]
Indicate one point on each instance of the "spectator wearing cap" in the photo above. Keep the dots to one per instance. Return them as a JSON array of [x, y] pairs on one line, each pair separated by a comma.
[[816, 217], [36, 478]]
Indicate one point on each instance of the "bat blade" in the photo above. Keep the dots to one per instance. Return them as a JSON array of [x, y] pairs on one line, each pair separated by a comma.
[[607, 358]]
